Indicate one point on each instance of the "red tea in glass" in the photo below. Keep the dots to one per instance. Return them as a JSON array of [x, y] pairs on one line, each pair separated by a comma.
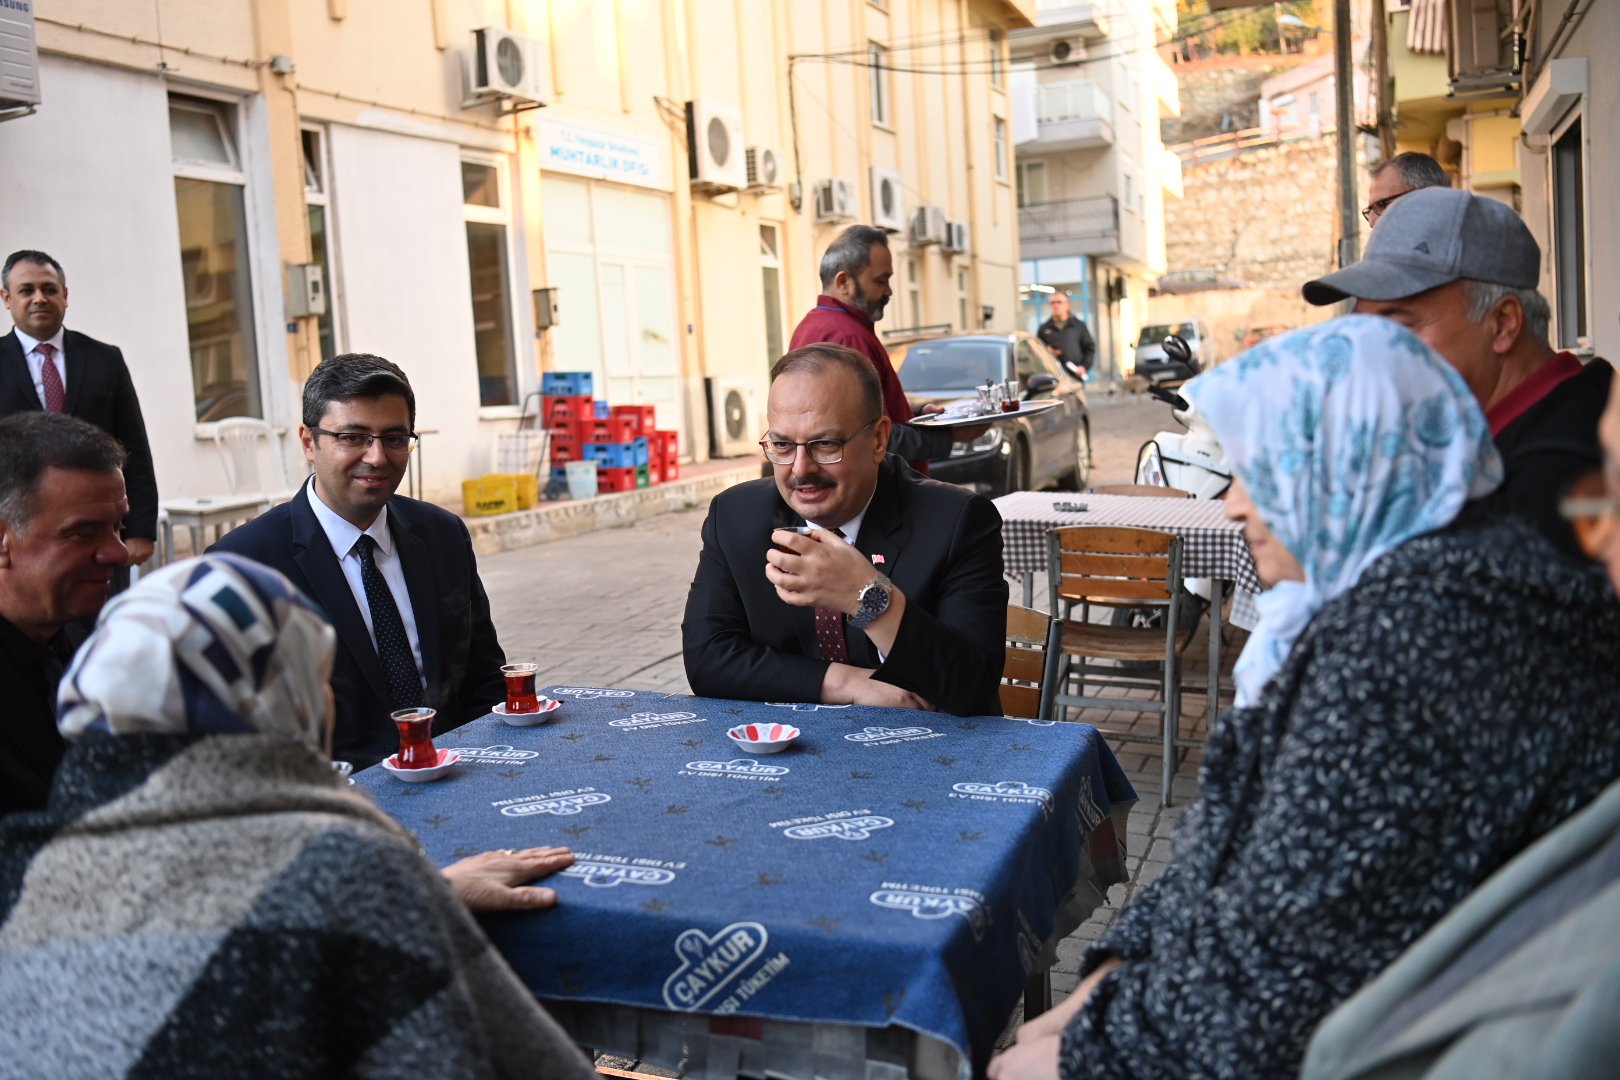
[[415, 738], [520, 692]]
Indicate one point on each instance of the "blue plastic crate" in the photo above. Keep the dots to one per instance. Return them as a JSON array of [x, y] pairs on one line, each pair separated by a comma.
[[626, 455], [603, 410], [560, 473], [568, 384]]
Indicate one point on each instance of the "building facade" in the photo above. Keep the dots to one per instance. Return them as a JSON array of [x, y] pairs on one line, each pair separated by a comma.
[[485, 190], [1093, 173]]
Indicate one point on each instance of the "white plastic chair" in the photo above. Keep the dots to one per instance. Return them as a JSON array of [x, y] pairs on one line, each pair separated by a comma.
[[237, 440]]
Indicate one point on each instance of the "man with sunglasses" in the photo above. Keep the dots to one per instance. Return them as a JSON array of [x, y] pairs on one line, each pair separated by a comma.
[[397, 577], [846, 577]]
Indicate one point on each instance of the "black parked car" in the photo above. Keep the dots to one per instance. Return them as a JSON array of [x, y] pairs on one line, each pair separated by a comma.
[[1046, 449]]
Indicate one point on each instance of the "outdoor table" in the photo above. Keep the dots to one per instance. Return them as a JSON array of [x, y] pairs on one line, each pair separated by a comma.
[[1212, 546], [869, 902]]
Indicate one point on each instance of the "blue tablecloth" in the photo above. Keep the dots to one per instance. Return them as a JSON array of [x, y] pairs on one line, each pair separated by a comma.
[[890, 868]]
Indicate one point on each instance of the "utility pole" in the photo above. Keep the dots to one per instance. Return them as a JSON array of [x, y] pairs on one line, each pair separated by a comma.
[[1344, 104]]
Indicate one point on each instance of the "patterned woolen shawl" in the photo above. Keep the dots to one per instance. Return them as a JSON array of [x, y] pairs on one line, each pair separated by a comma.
[[1352, 437]]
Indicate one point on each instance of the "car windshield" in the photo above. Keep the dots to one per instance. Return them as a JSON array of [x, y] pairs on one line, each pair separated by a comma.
[[937, 366], [1155, 335]]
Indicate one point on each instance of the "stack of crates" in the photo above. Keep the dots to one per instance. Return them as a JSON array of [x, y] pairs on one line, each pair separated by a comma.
[[568, 404], [664, 453], [629, 451]]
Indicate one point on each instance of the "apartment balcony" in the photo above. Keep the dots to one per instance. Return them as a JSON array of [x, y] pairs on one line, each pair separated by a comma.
[[1088, 226], [1072, 116], [1086, 19]]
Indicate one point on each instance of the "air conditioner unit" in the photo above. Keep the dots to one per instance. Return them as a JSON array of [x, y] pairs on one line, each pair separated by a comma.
[[928, 226], [714, 146], [956, 237], [1067, 52], [764, 168], [19, 60], [888, 208], [507, 65], [835, 200], [734, 426]]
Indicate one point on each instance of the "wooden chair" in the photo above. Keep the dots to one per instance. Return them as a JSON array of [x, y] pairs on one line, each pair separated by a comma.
[[1023, 678], [1107, 568], [1142, 489]]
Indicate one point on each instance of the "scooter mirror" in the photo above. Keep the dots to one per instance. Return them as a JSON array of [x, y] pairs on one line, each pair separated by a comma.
[[1176, 349], [1039, 384]]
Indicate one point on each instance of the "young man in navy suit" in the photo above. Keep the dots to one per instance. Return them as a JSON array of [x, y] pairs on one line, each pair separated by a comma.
[[397, 577]]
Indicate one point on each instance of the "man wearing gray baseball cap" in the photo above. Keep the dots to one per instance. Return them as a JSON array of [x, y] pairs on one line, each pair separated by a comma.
[[1460, 271]]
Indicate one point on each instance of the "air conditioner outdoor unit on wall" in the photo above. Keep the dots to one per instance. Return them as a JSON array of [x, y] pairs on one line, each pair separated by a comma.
[[764, 168], [956, 237], [508, 66], [734, 429], [835, 200], [714, 146], [19, 61], [888, 207], [928, 226], [1067, 52]]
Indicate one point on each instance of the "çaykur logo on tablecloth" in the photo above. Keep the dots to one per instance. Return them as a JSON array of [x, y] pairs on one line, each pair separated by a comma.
[[495, 755], [641, 721], [887, 736], [601, 871], [561, 803], [1089, 813], [934, 902], [839, 824], [735, 769], [713, 965], [582, 692], [802, 706], [1004, 791]]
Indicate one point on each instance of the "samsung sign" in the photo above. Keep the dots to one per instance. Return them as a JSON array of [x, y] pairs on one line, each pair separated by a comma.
[[19, 56]]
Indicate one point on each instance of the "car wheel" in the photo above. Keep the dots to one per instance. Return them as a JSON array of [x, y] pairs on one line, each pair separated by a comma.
[[1076, 478], [1016, 476]]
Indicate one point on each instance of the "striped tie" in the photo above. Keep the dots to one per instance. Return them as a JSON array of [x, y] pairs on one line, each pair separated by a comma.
[[55, 396]]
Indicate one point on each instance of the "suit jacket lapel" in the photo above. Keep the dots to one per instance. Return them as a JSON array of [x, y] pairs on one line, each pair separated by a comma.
[[16, 385], [883, 534], [314, 556], [78, 363], [417, 562]]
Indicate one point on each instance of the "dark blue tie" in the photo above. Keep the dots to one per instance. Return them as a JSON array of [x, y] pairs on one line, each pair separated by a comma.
[[393, 647]]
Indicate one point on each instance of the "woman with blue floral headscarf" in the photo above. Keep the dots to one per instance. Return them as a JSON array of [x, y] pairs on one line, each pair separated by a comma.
[[1428, 691], [204, 896]]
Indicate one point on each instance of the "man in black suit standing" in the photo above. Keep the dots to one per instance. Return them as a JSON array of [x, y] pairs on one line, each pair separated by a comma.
[[894, 596], [43, 366], [397, 577]]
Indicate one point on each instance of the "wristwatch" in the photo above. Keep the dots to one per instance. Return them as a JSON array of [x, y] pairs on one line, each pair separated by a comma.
[[873, 601]]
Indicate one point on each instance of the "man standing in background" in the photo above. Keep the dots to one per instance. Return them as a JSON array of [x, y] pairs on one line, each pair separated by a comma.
[[1068, 337]]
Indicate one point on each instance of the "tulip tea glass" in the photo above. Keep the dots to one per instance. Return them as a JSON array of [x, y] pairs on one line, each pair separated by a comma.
[[416, 749], [520, 692]]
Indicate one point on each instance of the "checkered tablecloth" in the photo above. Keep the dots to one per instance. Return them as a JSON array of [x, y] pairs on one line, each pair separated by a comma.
[[1212, 546]]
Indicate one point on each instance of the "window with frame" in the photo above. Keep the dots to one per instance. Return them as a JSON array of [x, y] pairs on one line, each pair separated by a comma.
[[1000, 147], [210, 194], [914, 289], [484, 210], [997, 41], [875, 54], [317, 206], [770, 269], [1031, 183], [1569, 233]]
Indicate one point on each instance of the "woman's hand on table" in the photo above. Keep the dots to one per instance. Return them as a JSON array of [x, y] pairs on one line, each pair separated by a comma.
[[493, 881]]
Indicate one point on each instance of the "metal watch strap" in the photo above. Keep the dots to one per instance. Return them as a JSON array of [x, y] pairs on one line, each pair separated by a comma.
[[864, 614]]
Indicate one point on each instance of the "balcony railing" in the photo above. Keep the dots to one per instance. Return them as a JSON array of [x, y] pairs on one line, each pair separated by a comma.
[[1093, 218], [1058, 103]]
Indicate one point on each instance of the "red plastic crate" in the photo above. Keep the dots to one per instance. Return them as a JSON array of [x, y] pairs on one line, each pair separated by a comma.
[[644, 416], [672, 471], [609, 480], [614, 429], [663, 444], [655, 471], [562, 411], [564, 446]]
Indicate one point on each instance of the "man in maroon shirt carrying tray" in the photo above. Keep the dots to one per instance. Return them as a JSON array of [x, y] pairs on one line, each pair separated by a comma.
[[1460, 271], [855, 274]]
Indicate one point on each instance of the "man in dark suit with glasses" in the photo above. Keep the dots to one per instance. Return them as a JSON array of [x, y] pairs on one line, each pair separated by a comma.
[[397, 577], [846, 577]]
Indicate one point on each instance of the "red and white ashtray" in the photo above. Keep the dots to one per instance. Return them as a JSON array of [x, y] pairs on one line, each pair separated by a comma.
[[447, 761], [527, 719], [763, 738]]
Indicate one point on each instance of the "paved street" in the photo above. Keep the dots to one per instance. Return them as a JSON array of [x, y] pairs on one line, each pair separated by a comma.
[[605, 609]]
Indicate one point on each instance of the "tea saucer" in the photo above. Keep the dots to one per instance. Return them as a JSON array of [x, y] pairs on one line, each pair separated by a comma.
[[763, 738], [447, 761], [527, 719]]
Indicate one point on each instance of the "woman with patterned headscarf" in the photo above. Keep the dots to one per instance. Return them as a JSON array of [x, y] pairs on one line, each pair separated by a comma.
[[205, 896], [1429, 690]]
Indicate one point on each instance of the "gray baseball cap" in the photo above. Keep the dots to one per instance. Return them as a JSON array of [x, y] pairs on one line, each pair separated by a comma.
[[1431, 237]]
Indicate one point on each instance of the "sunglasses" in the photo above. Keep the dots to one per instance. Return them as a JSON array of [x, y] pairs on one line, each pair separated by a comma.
[[1592, 511]]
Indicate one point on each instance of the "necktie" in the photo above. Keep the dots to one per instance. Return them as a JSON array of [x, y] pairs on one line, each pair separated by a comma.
[[393, 647], [830, 631], [55, 396]]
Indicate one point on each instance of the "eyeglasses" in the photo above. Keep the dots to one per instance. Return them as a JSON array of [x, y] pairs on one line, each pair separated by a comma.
[[1592, 511], [1376, 209], [395, 442], [822, 451]]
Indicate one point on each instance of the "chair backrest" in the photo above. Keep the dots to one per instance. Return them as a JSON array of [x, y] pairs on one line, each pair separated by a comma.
[[237, 440], [1113, 564], [1142, 489], [1024, 672]]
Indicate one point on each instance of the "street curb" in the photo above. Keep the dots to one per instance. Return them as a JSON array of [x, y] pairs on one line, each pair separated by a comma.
[[568, 517]]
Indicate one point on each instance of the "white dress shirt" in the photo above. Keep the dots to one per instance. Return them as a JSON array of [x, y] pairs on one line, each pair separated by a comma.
[[36, 361], [343, 536]]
